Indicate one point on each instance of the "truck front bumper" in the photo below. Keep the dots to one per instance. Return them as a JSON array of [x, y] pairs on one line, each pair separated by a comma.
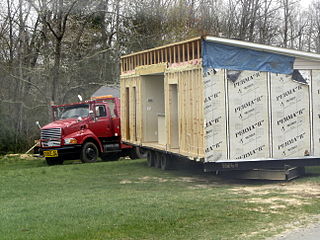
[[65, 152]]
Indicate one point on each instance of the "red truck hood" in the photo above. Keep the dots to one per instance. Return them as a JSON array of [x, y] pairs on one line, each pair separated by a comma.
[[65, 123]]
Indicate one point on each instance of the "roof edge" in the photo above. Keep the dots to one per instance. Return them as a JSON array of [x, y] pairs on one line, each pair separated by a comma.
[[263, 47]]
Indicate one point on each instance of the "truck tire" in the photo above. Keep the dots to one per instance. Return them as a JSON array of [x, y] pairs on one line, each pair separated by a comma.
[[110, 157], [150, 158], [54, 161], [137, 153], [89, 153]]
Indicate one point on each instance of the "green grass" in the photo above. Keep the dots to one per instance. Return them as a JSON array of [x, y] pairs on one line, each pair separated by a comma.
[[128, 200]]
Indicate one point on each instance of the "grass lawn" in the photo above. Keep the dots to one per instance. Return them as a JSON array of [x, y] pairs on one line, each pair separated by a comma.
[[128, 200]]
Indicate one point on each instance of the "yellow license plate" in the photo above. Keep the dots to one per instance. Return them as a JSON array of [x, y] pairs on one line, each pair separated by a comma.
[[50, 153]]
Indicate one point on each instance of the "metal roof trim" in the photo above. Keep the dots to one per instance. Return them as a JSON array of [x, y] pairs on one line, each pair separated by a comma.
[[265, 48]]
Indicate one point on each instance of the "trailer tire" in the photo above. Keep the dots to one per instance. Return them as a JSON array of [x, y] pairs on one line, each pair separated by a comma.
[[137, 153], [150, 158], [54, 161], [157, 160], [110, 157], [165, 162], [89, 153]]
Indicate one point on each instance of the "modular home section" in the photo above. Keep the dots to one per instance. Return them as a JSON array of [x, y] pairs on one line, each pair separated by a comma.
[[214, 99]]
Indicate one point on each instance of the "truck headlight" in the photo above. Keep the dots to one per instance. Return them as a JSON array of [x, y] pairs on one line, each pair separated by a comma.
[[70, 141]]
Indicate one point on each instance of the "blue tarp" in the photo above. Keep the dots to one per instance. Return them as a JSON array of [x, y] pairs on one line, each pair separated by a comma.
[[216, 55]]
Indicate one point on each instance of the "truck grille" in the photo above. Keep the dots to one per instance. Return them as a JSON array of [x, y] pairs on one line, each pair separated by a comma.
[[51, 137]]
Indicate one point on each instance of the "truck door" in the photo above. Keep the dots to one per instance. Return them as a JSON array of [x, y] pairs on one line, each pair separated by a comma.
[[102, 125]]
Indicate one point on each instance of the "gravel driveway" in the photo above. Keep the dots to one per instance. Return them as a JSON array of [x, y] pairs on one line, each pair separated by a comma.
[[310, 232]]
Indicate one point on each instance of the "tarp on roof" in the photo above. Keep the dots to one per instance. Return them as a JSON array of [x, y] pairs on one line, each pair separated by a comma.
[[216, 55]]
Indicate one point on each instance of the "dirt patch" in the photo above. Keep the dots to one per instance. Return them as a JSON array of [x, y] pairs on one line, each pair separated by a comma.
[[298, 190], [21, 156], [152, 179], [125, 181], [276, 203], [288, 195], [199, 182]]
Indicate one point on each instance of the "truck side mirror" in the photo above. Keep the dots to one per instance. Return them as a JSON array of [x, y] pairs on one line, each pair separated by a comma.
[[91, 114]]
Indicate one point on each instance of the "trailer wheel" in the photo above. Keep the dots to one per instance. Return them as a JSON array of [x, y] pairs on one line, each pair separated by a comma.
[[54, 161], [110, 157], [89, 153], [157, 160], [137, 153], [165, 161], [150, 158]]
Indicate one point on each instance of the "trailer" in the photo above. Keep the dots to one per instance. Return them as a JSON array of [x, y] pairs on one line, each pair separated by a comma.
[[230, 104]]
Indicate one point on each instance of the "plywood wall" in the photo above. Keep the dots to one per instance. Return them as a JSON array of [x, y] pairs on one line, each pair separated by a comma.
[[152, 99], [190, 109], [131, 122]]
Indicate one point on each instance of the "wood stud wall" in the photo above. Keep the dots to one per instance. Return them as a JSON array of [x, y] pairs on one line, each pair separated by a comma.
[[173, 53], [191, 112], [132, 132], [190, 95]]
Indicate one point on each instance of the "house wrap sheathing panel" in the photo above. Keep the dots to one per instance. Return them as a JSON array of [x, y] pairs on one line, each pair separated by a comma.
[[222, 100]]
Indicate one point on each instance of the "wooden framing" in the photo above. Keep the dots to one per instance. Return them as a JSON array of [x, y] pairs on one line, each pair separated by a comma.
[[173, 53], [182, 94]]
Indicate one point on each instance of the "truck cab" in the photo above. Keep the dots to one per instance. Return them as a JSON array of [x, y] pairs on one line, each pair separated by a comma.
[[84, 130]]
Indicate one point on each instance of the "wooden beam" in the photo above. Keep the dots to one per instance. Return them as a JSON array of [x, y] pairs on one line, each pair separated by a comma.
[[166, 54], [193, 55], [162, 57], [134, 62], [165, 46], [198, 49], [183, 52], [188, 52]]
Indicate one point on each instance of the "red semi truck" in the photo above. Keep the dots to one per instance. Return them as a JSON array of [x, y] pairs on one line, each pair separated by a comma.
[[85, 130]]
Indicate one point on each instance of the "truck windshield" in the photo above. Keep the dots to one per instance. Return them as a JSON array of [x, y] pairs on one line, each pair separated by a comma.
[[71, 111]]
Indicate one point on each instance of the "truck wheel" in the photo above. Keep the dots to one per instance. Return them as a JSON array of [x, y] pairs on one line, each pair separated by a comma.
[[157, 160], [150, 158], [137, 153], [110, 157], [89, 153], [54, 161]]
